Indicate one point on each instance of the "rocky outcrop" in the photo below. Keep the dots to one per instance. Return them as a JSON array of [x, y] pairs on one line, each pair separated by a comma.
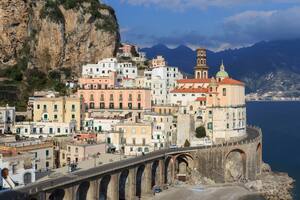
[[55, 34], [271, 185]]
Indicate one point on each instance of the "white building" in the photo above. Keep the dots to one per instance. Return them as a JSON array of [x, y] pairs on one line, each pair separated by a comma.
[[163, 129], [44, 129], [163, 80], [7, 118], [21, 167], [105, 66], [42, 151], [99, 124], [159, 61]]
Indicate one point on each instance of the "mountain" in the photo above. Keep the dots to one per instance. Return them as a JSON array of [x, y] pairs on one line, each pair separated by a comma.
[[43, 42], [272, 66]]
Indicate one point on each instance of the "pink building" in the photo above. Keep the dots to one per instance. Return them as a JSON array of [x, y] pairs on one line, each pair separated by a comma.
[[102, 82], [117, 98]]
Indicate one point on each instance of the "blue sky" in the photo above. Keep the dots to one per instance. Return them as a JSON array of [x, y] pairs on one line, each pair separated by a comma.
[[215, 24]]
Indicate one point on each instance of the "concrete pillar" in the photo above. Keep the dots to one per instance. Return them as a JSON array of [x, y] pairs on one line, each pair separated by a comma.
[[70, 193], [131, 185], [161, 172], [93, 192], [113, 188], [146, 180]]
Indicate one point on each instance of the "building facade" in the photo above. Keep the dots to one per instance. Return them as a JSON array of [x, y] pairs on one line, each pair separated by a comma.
[[44, 129], [58, 109], [136, 138], [7, 118]]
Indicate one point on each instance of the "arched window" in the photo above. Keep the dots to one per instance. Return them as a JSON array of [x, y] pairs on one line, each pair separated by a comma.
[[27, 178]]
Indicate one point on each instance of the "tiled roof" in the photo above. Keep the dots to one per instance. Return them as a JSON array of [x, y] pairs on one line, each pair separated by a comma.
[[207, 80], [230, 81], [201, 99], [190, 90]]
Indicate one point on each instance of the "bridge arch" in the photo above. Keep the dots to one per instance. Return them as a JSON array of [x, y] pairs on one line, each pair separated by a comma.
[[154, 176], [57, 194], [103, 187], [235, 165], [169, 170], [139, 177], [258, 158], [122, 184], [183, 164], [81, 193]]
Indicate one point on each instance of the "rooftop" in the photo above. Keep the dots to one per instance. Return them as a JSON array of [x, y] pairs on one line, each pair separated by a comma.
[[190, 90]]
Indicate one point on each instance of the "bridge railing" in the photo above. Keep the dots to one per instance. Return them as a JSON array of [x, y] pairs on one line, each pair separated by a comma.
[[254, 134]]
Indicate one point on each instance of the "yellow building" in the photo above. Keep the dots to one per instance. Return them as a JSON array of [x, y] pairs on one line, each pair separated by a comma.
[[58, 109], [136, 137]]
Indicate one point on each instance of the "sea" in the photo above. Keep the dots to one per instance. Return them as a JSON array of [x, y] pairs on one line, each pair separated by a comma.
[[280, 123]]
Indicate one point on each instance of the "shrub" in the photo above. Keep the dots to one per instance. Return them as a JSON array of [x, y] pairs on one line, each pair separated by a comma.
[[200, 132], [52, 11], [187, 143]]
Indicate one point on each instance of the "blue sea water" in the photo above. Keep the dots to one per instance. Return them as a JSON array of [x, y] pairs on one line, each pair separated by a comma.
[[280, 123]]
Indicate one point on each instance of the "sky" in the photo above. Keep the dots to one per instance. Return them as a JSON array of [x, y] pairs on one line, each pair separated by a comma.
[[214, 24]]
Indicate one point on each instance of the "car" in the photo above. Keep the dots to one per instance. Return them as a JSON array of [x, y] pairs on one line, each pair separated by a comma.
[[173, 146], [157, 190]]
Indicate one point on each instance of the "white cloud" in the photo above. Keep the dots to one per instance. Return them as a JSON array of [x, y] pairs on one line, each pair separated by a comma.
[[251, 26], [202, 4]]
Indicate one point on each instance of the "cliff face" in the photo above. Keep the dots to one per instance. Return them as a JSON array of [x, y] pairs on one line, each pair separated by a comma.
[[49, 34]]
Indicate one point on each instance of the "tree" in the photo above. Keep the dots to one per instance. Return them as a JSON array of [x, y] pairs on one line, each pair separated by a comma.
[[187, 143], [200, 132]]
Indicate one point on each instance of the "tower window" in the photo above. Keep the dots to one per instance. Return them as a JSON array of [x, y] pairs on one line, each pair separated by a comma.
[[224, 91]]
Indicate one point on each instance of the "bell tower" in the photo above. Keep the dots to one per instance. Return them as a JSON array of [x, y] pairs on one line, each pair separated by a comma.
[[201, 69]]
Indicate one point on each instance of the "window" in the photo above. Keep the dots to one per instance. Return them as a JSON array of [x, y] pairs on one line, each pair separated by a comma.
[[133, 141], [58, 130], [38, 106], [26, 130], [73, 116], [139, 106], [210, 126], [76, 150], [27, 178], [224, 91], [41, 130], [55, 117], [63, 156], [34, 130], [50, 130], [69, 149], [45, 107], [45, 116], [131, 148], [73, 107], [35, 154], [130, 97], [47, 164], [129, 105], [133, 131], [111, 105], [92, 105], [120, 105], [47, 152], [144, 141], [14, 169], [102, 105]]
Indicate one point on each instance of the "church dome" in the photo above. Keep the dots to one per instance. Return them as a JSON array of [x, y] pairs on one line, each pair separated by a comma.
[[222, 73]]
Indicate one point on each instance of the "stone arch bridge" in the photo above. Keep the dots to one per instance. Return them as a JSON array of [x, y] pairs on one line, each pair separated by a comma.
[[134, 178]]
